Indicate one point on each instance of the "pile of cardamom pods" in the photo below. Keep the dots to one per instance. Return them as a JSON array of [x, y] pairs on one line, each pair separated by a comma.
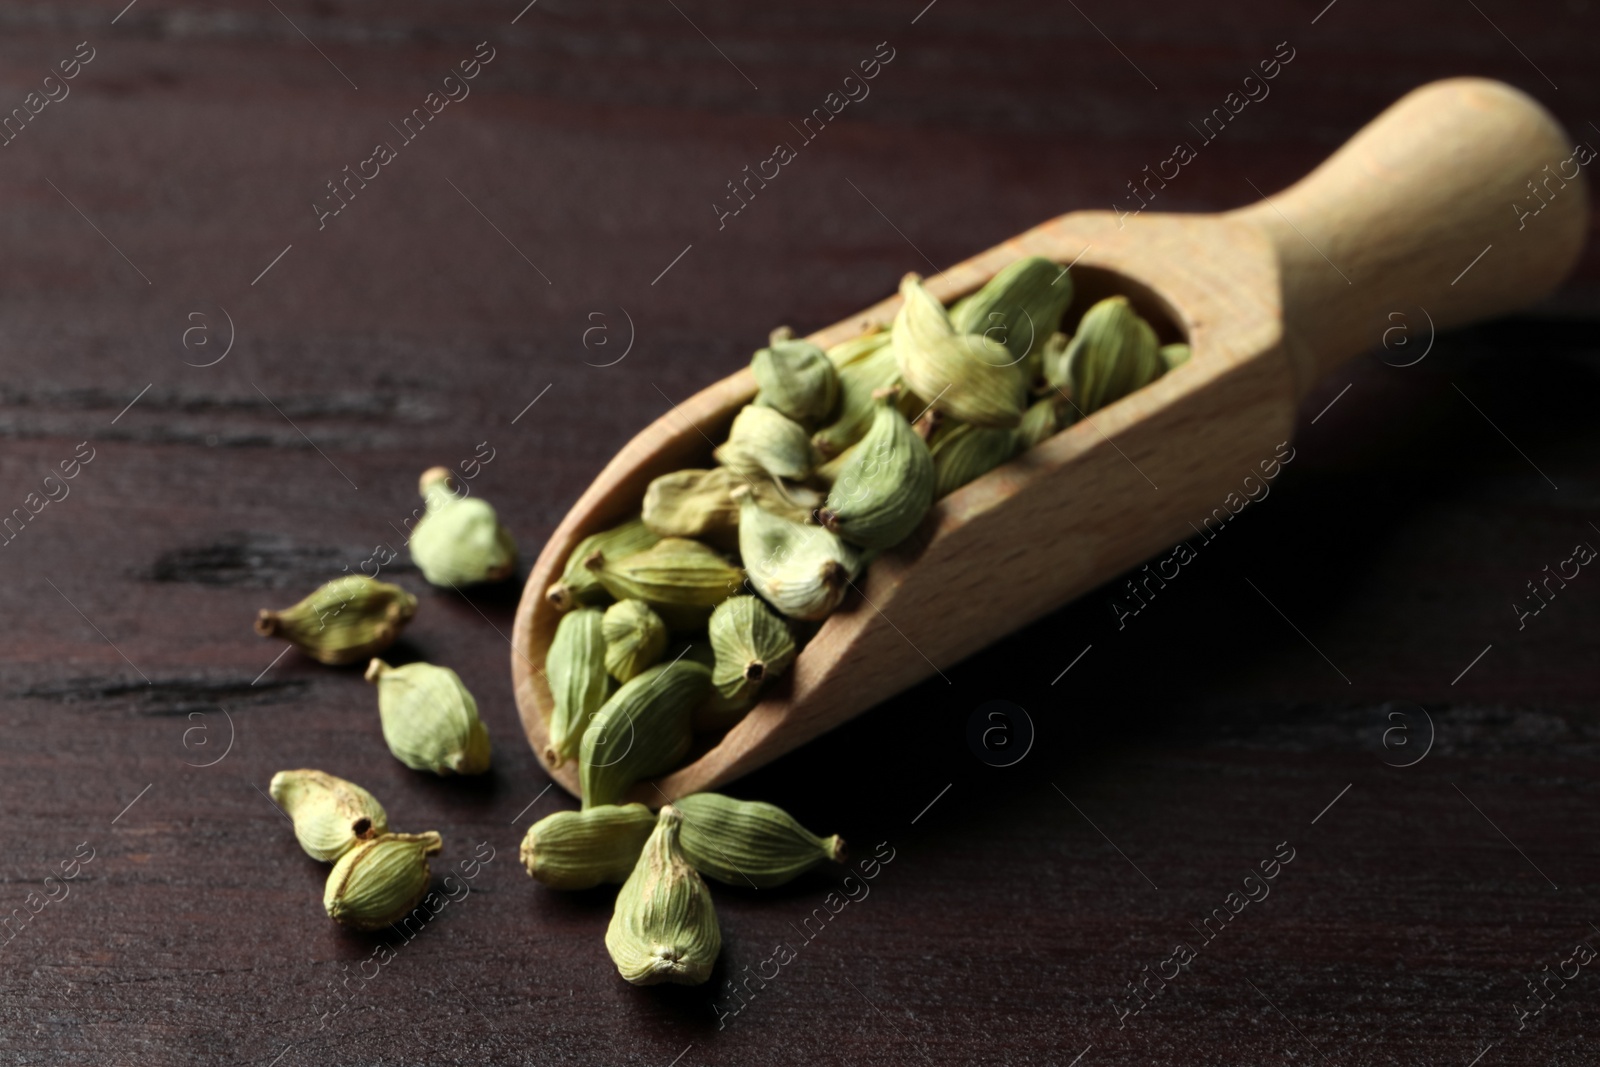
[[838, 458]]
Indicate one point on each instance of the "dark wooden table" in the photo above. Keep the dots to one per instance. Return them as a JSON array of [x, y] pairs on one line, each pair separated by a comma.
[[257, 390]]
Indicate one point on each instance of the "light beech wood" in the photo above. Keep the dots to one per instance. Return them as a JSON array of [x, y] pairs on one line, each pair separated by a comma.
[[1270, 298]]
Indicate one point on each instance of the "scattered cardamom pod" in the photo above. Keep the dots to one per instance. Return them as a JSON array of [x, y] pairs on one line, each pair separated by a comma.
[[330, 815], [345, 620], [748, 842], [969, 377], [459, 541], [752, 646], [796, 378], [1174, 355], [575, 667], [642, 730], [964, 452], [763, 440], [699, 503], [803, 571], [430, 721], [1019, 307], [886, 486], [681, 579], [866, 367], [635, 637], [582, 849], [664, 928], [1113, 353], [578, 587], [379, 881]]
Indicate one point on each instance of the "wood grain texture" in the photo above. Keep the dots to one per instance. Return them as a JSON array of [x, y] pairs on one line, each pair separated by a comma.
[[1416, 189], [1004, 932]]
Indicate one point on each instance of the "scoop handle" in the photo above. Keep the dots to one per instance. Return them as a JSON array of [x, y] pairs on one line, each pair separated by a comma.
[[1465, 199]]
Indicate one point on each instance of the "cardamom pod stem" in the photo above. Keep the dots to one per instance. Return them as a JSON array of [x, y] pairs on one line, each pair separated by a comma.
[[664, 928]]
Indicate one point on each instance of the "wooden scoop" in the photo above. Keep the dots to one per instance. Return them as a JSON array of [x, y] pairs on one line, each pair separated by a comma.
[[1428, 209]]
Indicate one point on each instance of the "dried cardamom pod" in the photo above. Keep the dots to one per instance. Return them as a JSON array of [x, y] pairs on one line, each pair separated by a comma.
[[752, 646], [681, 579], [1019, 307], [1039, 423], [582, 849], [635, 637], [803, 571], [430, 721], [575, 667], [964, 452], [345, 620], [378, 881], [866, 366], [697, 503], [1174, 355], [748, 842], [664, 928], [796, 378], [1053, 361], [460, 540], [330, 815], [1113, 353], [967, 376], [578, 586], [886, 486], [642, 730], [763, 440]]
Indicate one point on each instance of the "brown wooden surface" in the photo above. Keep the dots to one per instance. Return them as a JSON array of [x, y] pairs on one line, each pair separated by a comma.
[[1221, 721]]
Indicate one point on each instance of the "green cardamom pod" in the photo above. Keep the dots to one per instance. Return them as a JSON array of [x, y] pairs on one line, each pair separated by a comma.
[[1174, 355], [1113, 353], [969, 377], [796, 378], [748, 842], [1053, 361], [699, 503], [344, 621], [866, 367], [459, 541], [803, 571], [1039, 423], [1019, 307], [752, 645], [379, 881], [330, 815], [964, 452], [681, 579], [642, 730], [578, 587], [635, 637], [430, 721], [583, 849], [664, 928], [575, 667], [886, 486], [763, 440]]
